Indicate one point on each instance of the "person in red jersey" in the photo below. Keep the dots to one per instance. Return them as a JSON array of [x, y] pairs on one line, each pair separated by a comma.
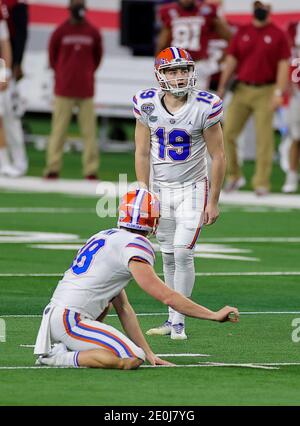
[[187, 24], [292, 178], [258, 54], [75, 52]]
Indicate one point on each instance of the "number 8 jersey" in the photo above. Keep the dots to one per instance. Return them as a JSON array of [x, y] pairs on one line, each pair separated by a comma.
[[178, 148], [100, 271]]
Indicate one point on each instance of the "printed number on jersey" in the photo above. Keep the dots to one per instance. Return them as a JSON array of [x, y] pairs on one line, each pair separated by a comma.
[[147, 94], [176, 144], [85, 256], [187, 33]]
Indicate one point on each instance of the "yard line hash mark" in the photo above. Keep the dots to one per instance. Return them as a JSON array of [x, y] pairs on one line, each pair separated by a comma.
[[198, 274], [261, 366]]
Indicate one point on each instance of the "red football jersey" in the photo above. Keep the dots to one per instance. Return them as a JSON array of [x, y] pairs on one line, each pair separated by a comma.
[[190, 29], [11, 3], [294, 39]]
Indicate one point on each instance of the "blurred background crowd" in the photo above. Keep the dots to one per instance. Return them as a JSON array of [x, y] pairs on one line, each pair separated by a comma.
[[85, 59]]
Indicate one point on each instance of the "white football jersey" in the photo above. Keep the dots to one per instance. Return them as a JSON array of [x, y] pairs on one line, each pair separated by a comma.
[[100, 271], [178, 148]]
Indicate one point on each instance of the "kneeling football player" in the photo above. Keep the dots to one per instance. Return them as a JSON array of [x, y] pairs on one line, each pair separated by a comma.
[[72, 331]]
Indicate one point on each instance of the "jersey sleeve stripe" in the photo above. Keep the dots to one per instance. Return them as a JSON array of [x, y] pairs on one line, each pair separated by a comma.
[[138, 246], [214, 114], [147, 243], [136, 111], [135, 100], [217, 105], [139, 259]]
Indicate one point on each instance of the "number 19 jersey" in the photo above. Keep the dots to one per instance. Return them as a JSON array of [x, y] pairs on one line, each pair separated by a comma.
[[178, 147]]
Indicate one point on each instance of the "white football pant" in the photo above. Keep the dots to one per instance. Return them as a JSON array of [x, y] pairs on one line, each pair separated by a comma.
[[182, 213]]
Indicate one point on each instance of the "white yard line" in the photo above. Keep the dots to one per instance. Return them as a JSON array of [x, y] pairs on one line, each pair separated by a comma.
[[66, 210], [30, 275], [261, 367], [265, 366], [198, 274], [251, 240], [46, 210], [152, 314], [273, 366]]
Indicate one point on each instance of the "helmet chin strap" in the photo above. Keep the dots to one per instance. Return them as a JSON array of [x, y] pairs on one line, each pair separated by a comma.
[[179, 93]]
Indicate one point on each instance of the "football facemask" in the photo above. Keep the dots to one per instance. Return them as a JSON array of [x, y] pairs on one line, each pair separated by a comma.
[[175, 58]]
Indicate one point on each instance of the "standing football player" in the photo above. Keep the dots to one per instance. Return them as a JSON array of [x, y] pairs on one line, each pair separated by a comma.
[[189, 24], [175, 127], [73, 321]]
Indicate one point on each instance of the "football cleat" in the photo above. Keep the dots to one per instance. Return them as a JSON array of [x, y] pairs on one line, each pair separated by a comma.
[[178, 332], [234, 184], [51, 359], [173, 57], [261, 191], [163, 330], [291, 182], [10, 171], [139, 209]]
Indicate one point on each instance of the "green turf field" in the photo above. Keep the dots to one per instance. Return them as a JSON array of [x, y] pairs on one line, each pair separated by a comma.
[[31, 264]]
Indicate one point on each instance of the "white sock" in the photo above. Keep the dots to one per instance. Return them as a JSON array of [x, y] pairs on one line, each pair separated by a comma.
[[184, 278], [4, 158], [169, 272], [66, 359]]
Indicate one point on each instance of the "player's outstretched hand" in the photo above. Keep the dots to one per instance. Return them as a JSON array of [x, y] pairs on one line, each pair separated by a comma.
[[155, 360], [228, 313]]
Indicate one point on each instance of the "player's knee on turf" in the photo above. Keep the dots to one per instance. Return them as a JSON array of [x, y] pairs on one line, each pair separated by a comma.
[[130, 363]]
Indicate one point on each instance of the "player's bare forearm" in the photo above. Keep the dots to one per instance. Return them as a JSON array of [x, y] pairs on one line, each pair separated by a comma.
[[147, 279], [223, 29], [142, 169], [130, 322], [229, 67], [218, 167], [163, 39], [281, 84], [142, 153], [282, 77], [215, 146], [133, 330]]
